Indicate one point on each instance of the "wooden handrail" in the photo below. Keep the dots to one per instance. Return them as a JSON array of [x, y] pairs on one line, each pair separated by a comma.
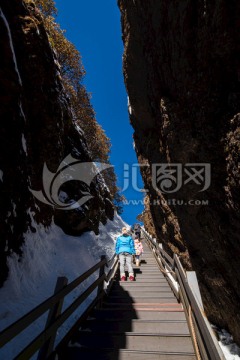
[[108, 277], [47, 333], [14, 329], [203, 324], [208, 345], [168, 257], [54, 304]]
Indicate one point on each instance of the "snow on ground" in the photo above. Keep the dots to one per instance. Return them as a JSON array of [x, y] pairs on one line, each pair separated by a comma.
[[230, 350], [48, 254]]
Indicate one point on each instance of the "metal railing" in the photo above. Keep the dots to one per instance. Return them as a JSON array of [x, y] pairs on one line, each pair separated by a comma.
[[45, 340], [185, 287]]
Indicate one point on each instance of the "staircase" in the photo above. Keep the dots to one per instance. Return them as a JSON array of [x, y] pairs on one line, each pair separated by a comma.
[[139, 320]]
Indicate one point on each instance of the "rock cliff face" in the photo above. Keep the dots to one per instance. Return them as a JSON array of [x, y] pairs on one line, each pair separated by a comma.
[[182, 73], [36, 128]]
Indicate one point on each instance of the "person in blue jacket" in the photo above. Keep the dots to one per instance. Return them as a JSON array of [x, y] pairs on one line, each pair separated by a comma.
[[125, 249]]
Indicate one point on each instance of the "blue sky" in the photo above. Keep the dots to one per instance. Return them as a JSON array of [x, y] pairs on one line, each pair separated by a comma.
[[94, 28]]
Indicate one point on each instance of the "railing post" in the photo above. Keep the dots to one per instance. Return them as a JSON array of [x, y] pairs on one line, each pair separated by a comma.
[[54, 312], [100, 286]]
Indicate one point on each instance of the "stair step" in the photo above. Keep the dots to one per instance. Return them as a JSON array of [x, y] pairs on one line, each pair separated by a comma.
[[149, 276], [138, 314], [155, 305], [142, 297], [149, 280], [146, 279], [133, 293], [76, 353], [141, 270], [148, 272], [137, 326], [137, 284], [146, 268], [142, 282], [149, 342], [139, 287], [149, 263], [138, 290], [124, 289], [136, 308], [125, 286]]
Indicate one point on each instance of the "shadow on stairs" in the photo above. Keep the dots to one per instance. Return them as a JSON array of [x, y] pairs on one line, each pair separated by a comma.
[[139, 320]]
